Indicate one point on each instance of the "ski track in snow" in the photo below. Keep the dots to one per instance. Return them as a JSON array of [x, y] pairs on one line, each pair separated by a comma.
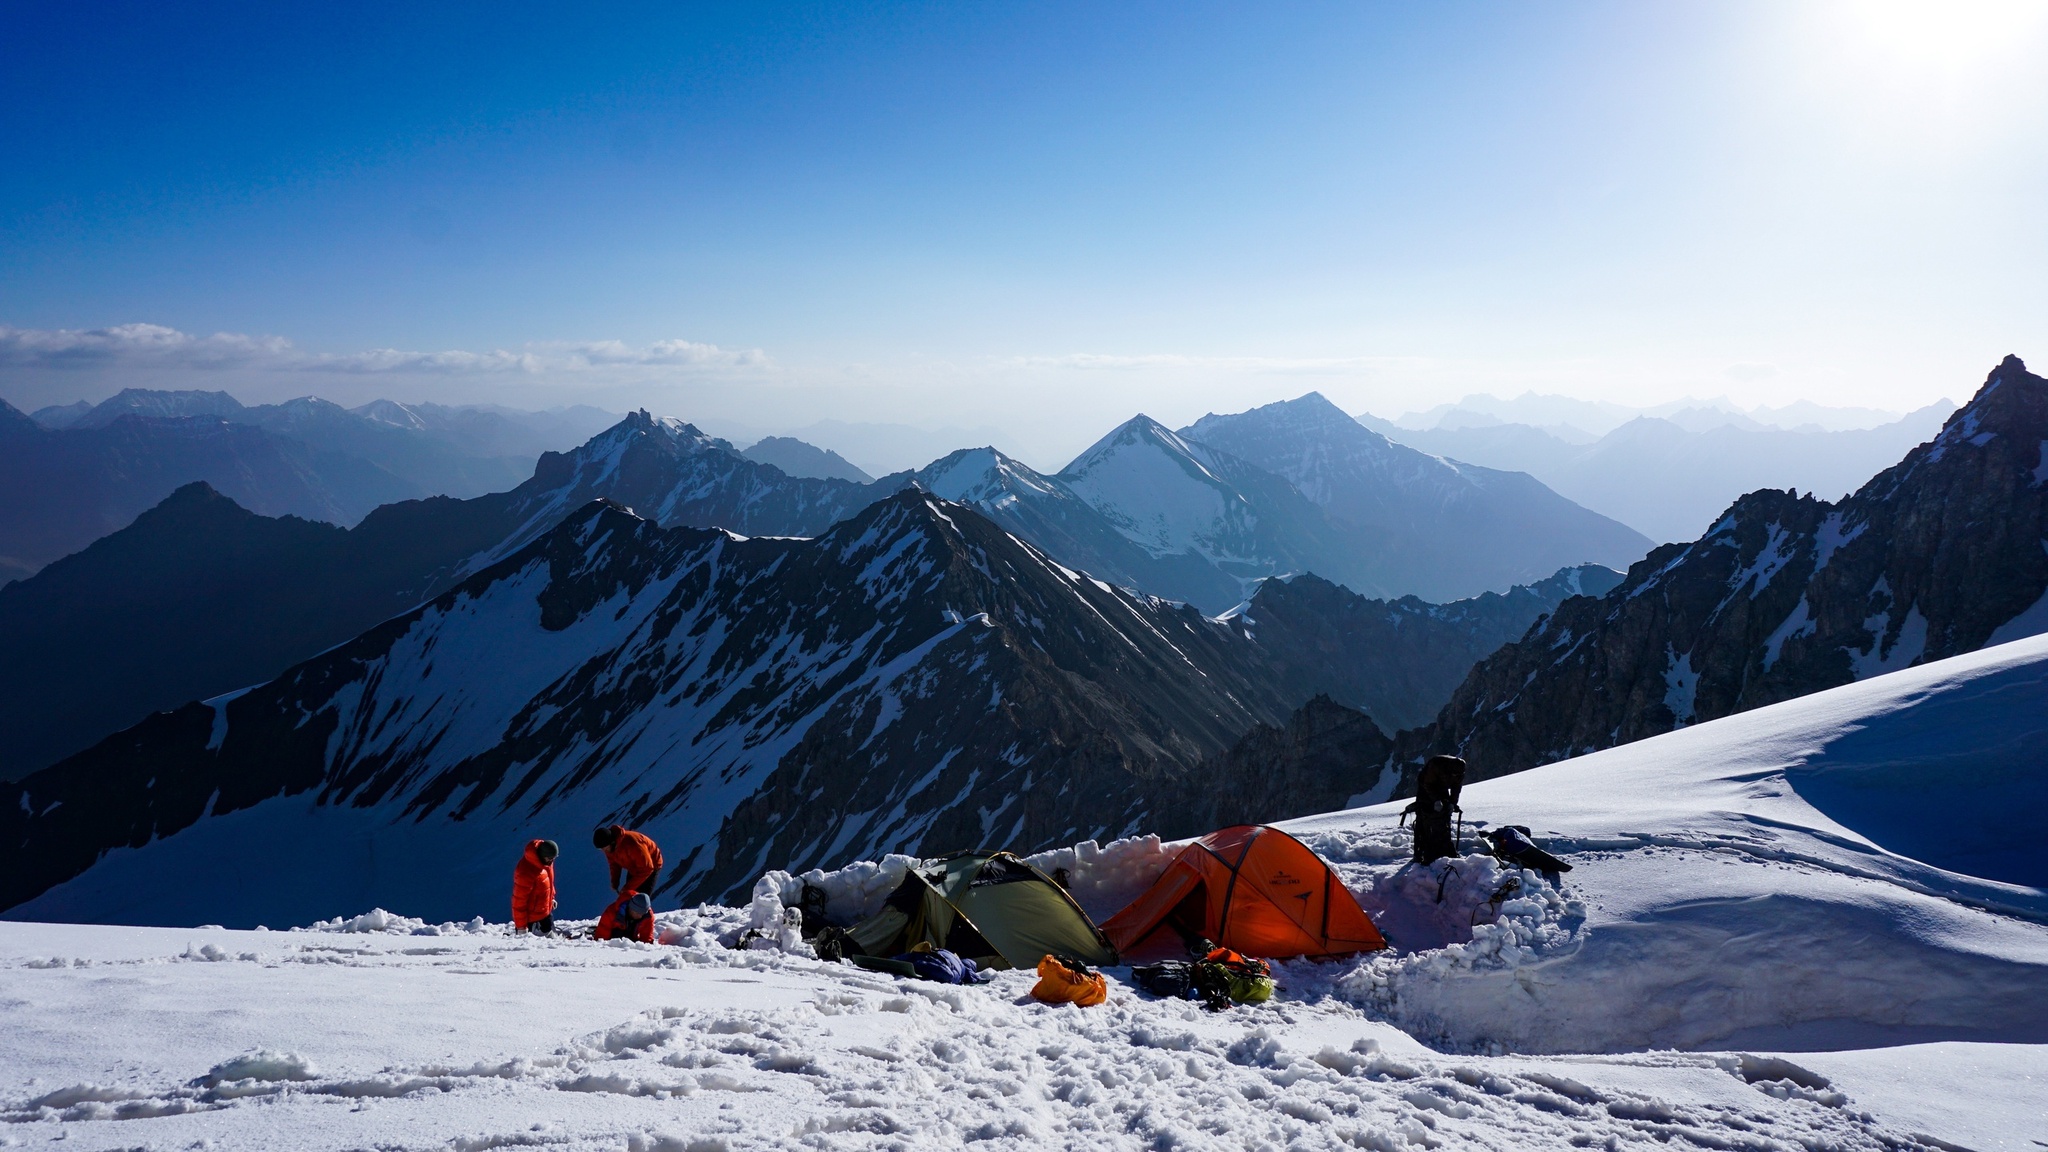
[[472, 1038]]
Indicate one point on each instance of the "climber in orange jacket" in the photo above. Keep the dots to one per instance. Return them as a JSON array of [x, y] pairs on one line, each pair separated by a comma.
[[632, 855], [533, 888], [630, 917]]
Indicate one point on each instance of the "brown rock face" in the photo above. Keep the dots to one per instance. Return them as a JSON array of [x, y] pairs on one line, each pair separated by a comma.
[[1939, 555]]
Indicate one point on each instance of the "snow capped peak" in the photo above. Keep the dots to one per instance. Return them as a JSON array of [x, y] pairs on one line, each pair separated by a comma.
[[393, 413], [983, 476], [1140, 431]]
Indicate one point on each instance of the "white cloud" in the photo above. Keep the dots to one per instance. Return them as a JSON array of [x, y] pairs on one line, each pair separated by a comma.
[[155, 346]]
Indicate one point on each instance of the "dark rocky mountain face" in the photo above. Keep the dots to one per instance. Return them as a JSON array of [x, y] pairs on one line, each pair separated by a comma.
[[1321, 758], [801, 459], [912, 679], [1427, 526], [673, 474], [200, 596], [76, 476], [1785, 595], [1396, 660], [65, 489]]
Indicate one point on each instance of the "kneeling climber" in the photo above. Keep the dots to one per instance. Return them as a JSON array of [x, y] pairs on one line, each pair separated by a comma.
[[533, 888], [630, 917]]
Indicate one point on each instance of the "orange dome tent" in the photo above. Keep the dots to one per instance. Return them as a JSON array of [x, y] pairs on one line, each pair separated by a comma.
[[1252, 889]]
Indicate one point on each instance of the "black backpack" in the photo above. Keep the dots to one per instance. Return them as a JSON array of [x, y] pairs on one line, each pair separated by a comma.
[[1436, 801]]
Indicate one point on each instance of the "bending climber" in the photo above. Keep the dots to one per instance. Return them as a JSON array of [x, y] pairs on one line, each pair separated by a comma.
[[634, 857], [533, 888]]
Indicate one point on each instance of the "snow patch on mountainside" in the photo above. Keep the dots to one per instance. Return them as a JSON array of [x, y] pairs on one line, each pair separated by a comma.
[[1157, 489]]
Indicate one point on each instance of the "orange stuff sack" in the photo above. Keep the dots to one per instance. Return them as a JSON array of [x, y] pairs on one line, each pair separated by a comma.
[[1061, 983]]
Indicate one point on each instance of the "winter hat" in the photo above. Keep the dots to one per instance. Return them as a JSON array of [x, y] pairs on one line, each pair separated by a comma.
[[546, 851], [640, 905], [604, 836]]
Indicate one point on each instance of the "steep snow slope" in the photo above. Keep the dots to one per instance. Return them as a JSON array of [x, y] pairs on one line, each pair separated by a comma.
[[914, 676], [1446, 529], [1852, 868], [1058, 521], [1174, 497]]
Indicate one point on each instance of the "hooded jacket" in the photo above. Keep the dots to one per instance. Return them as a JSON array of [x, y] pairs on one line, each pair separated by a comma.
[[533, 887], [637, 857], [611, 925]]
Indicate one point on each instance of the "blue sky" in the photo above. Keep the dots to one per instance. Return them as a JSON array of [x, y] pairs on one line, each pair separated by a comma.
[[1034, 220]]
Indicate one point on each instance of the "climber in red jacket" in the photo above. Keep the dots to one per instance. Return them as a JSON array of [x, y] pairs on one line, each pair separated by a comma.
[[533, 888], [632, 855], [630, 917]]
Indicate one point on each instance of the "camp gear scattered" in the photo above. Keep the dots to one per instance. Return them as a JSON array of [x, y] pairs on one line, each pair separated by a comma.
[[1219, 979], [1436, 801], [1252, 889], [1065, 980], [926, 963], [989, 907], [1173, 979], [1511, 845], [1491, 907]]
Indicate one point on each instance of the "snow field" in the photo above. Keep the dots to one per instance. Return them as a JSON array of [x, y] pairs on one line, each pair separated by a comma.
[[472, 1039]]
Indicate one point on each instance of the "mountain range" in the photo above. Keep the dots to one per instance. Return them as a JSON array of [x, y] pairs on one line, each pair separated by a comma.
[[1431, 525], [1943, 553], [914, 675], [1668, 476], [199, 596], [73, 476]]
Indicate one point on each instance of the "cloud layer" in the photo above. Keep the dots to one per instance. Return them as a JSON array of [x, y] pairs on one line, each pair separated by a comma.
[[155, 346]]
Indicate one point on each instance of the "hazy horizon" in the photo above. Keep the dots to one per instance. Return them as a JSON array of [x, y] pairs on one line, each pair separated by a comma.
[[1035, 222]]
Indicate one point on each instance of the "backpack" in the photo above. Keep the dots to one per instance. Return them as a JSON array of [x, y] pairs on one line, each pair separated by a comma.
[[1224, 977], [1169, 979], [1436, 799], [1511, 845]]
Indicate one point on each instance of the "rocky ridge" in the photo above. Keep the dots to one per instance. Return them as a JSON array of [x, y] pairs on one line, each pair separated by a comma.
[[1944, 553]]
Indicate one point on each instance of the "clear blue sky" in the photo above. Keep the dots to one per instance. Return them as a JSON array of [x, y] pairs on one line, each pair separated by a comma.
[[1041, 219]]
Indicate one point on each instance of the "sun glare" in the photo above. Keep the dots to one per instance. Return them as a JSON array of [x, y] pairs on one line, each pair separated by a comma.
[[1951, 34]]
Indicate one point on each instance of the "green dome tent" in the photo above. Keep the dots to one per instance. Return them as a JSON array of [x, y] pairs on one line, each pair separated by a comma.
[[989, 907]]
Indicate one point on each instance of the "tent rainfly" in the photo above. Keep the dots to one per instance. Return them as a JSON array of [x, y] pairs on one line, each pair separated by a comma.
[[989, 907], [1252, 889]]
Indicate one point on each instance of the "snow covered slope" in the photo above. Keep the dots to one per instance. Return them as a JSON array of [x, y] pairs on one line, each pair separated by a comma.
[[1174, 497], [333, 1041], [1445, 530], [1767, 943], [912, 677], [1054, 518], [1857, 867]]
